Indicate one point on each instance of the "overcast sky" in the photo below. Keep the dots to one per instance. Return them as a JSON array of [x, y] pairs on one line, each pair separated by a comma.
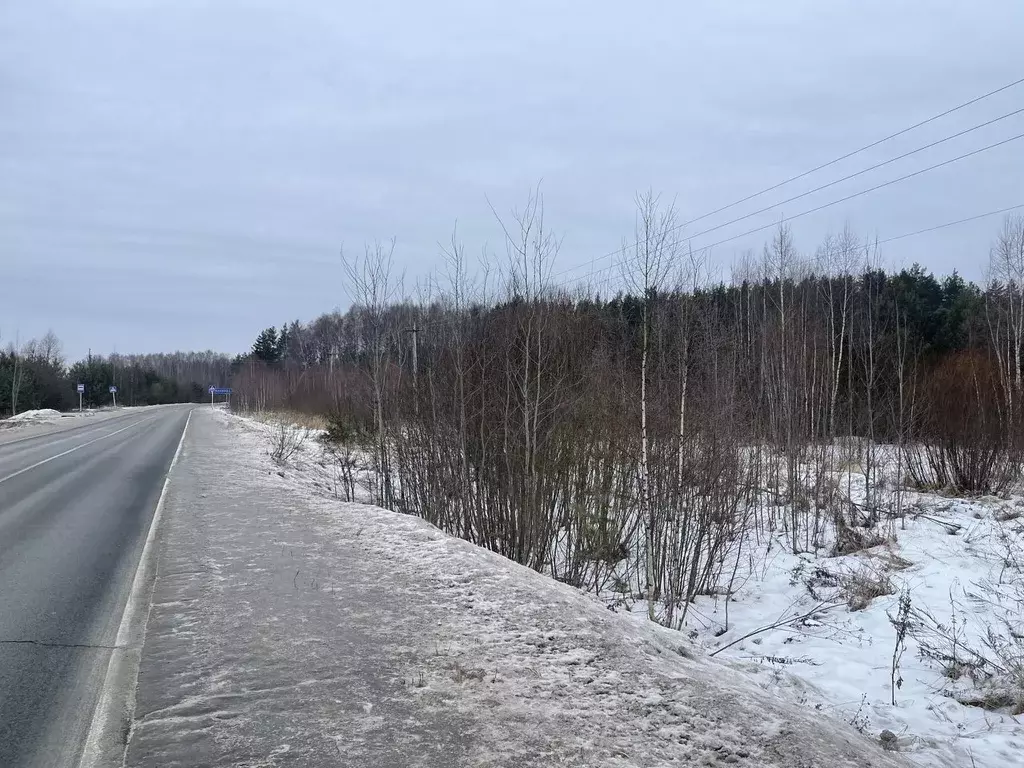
[[177, 174]]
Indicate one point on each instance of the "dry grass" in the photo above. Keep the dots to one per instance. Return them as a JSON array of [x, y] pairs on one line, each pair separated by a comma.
[[861, 587], [885, 559], [1008, 514], [295, 418], [856, 586]]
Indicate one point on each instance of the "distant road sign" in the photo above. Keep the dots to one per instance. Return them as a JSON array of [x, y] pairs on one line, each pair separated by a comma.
[[113, 390], [220, 390], [81, 388]]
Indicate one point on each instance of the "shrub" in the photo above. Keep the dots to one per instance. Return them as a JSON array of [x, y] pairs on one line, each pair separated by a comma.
[[342, 429], [967, 440], [856, 587], [850, 539], [287, 441]]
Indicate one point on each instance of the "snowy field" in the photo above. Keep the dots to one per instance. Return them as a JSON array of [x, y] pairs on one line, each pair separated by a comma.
[[955, 560], [524, 654]]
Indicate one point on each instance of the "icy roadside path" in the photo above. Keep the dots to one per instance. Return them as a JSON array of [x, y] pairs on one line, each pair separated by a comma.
[[290, 629], [270, 643]]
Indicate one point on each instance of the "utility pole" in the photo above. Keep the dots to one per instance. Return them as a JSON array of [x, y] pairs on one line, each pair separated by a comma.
[[415, 331]]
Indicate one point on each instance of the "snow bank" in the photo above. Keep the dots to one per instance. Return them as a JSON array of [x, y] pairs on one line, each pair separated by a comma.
[[547, 675], [43, 414]]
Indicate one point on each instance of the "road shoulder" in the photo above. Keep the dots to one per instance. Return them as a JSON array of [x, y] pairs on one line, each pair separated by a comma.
[[269, 641]]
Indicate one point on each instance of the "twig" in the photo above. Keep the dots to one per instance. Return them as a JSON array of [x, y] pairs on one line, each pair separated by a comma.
[[954, 527], [785, 621]]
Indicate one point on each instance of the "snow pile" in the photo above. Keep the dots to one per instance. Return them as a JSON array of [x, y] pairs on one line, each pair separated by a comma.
[[43, 414], [548, 676]]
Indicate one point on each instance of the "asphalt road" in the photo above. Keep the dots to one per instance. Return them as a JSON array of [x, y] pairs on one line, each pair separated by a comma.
[[75, 509]]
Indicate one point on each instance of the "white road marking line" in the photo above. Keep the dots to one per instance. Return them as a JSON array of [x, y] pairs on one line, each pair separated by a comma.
[[72, 450], [106, 721]]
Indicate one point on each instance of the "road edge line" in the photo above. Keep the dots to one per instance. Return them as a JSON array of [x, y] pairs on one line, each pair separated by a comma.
[[107, 738]]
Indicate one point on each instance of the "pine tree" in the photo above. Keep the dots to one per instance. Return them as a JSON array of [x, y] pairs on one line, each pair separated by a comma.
[[267, 347], [283, 341]]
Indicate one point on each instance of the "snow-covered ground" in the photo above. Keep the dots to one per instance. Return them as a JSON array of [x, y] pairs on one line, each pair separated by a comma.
[[954, 559], [546, 675]]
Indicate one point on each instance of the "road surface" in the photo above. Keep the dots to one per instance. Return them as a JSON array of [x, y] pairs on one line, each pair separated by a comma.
[[75, 509]]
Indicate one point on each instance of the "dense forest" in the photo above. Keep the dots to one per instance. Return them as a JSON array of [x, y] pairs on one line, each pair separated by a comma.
[[572, 431], [35, 375]]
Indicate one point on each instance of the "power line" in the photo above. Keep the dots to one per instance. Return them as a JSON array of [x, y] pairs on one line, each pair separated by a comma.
[[866, 147], [860, 173], [820, 167], [869, 190], [820, 207], [951, 223]]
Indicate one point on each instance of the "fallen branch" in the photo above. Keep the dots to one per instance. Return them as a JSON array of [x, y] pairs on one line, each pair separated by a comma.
[[951, 527], [785, 621]]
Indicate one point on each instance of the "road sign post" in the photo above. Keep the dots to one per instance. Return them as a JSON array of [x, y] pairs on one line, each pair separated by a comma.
[[81, 391], [226, 391], [113, 393]]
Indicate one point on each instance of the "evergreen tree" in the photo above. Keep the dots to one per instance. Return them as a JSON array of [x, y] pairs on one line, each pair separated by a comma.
[[267, 348], [283, 341]]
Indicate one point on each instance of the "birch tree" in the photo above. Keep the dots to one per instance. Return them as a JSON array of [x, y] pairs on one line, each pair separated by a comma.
[[648, 260], [1006, 318], [373, 288]]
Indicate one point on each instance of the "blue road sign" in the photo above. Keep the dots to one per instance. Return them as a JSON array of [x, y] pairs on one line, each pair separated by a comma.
[[81, 388], [220, 390], [113, 390]]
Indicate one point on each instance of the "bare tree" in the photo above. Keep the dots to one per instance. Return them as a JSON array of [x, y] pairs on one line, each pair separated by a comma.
[[18, 375], [837, 259], [373, 288], [648, 261], [1006, 319], [51, 350], [456, 298]]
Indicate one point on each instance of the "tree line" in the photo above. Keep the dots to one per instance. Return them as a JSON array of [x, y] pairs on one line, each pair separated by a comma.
[[634, 441], [35, 375]]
